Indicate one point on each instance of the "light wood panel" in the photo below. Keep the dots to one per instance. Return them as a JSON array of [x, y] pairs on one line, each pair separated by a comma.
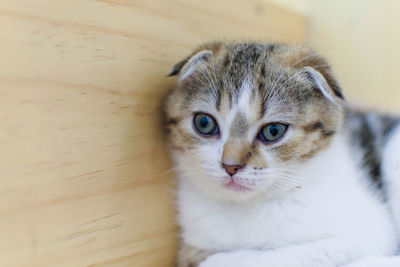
[[85, 178]]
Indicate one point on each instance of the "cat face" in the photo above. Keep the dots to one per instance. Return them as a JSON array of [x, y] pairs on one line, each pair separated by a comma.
[[243, 118]]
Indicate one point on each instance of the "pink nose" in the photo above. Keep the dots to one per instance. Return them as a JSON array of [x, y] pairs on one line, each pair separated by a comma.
[[231, 169]]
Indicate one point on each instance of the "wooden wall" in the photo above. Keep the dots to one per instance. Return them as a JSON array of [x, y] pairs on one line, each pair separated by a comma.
[[84, 176]]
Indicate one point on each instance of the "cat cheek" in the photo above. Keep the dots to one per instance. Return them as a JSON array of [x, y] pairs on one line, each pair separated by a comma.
[[259, 161]]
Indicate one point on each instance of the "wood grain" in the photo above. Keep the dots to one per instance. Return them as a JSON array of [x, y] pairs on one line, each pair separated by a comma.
[[85, 177]]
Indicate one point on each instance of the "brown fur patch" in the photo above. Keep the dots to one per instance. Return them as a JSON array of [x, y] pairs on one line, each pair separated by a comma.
[[318, 126], [172, 121]]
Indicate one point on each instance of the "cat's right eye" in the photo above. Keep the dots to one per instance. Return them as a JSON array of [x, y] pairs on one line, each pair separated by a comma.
[[205, 125]]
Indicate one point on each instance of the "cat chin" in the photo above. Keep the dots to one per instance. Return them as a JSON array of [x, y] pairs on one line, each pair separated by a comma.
[[227, 192]]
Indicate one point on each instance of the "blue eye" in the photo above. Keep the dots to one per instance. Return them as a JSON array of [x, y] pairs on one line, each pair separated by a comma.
[[205, 125], [272, 132]]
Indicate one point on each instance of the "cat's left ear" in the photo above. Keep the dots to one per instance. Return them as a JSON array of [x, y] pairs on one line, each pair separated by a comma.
[[323, 85]]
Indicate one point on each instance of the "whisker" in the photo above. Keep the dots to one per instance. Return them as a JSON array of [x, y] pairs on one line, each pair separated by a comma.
[[186, 174]]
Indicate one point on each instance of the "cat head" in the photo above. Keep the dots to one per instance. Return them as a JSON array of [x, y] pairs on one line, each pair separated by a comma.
[[244, 117]]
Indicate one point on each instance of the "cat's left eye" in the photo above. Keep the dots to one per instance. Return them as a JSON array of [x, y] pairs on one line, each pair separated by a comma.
[[272, 132]]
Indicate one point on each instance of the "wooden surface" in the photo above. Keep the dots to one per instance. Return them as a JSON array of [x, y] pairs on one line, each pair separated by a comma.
[[84, 176]]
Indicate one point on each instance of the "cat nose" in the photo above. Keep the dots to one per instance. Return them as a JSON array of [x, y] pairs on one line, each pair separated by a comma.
[[232, 169]]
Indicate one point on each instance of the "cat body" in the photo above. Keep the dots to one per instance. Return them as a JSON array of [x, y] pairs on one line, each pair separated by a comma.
[[335, 219], [274, 168]]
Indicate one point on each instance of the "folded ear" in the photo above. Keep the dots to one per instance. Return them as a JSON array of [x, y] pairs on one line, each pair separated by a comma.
[[327, 85], [188, 65], [300, 57], [195, 60]]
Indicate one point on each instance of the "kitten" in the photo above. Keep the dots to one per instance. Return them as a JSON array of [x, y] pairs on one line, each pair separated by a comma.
[[274, 168]]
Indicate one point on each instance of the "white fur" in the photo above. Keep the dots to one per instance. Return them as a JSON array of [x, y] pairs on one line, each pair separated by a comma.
[[245, 95], [331, 220], [376, 262]]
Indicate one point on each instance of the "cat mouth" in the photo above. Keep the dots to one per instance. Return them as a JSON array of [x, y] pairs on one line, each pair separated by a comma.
[[234, 186]]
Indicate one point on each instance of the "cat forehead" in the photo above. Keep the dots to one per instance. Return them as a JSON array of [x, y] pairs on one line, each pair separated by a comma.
[[243, 73], [252, 96]]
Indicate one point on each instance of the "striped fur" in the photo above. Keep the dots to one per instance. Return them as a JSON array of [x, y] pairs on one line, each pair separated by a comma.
[[369, 133]]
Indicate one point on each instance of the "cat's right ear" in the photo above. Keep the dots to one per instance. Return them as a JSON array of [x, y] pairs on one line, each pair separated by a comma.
[[188, 65], [330, 89]]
